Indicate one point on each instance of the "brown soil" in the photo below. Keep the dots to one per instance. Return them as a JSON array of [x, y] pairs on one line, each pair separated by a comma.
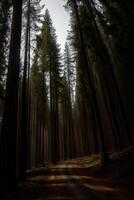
[[74, 180]]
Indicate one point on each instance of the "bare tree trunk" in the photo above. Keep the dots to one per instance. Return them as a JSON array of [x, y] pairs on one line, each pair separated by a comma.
[[24, 107], [8, 140]]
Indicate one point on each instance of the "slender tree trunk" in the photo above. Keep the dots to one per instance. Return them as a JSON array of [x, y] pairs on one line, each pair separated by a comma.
[[24, 107]]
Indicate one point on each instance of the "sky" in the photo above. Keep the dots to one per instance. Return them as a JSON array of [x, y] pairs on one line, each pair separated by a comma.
[[60, 19]]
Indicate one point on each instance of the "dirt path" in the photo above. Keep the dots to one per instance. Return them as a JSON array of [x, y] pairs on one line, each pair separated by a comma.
[[72, 180], [69, 183]]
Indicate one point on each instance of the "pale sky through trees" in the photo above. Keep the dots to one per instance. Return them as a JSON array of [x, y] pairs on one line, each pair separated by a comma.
[[60, 18]]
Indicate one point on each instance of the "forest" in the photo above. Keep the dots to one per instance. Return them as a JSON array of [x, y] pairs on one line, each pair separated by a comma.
[[67, 117]]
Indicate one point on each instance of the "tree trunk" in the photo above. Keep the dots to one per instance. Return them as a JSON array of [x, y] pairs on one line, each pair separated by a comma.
[[8, 140], [24, 106]]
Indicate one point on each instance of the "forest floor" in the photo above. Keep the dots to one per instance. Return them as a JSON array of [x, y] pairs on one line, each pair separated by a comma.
[[81, 178]]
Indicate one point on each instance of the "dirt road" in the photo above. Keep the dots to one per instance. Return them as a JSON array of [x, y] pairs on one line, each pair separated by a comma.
[[71, 184]]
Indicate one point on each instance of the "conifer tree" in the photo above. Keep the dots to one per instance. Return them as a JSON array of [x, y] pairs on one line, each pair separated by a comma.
[[8, 138], [4, 30], [48, 65], [67, 101]]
